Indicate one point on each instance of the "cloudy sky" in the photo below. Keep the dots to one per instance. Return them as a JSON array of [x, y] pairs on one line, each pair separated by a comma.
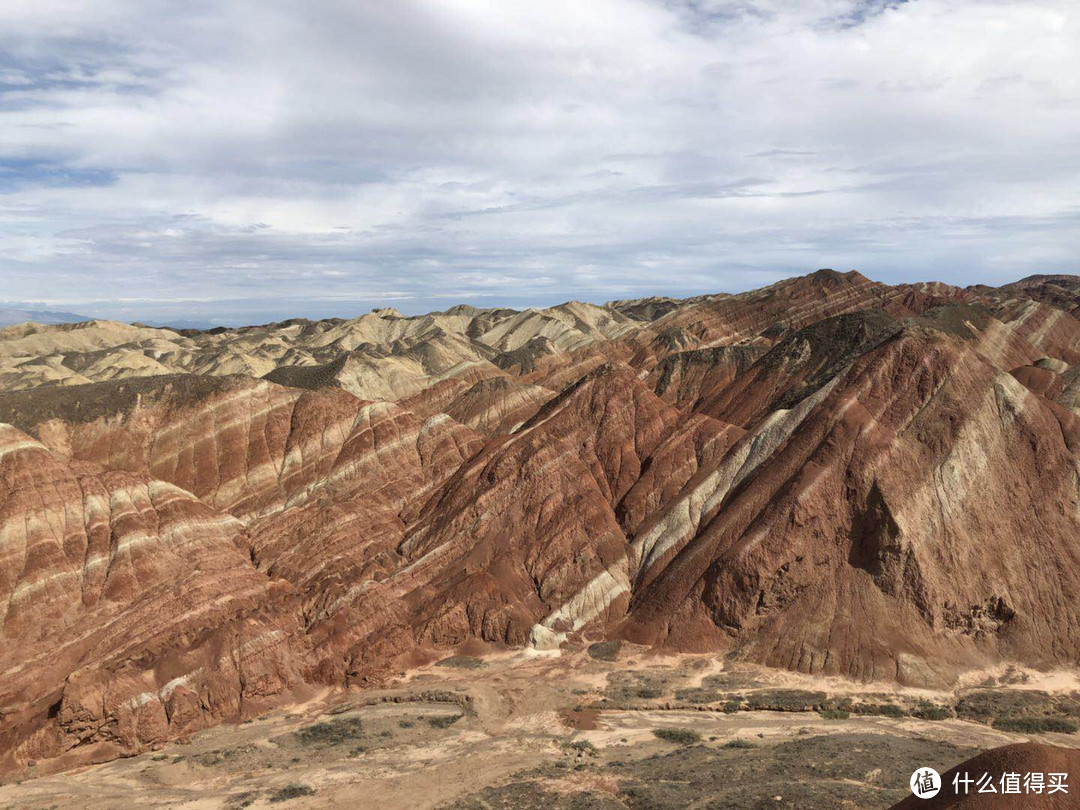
[[238, 160]]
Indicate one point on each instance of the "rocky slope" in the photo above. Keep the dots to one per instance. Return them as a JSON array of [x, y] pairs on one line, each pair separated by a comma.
[[827, 475]]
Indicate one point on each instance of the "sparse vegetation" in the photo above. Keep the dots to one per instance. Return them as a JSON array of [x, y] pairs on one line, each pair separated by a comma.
[[288, 792], [1035, 725], [738, 744], [989, 705], [443, 720], [220, 755], [680, 736], [630, 686], [241, 800], [843, 704], [461, 662], [406, 724], [735, 676], [925, 710], [332, 732], [581, 746], [605, 650], [878, 709], [786, 700], [806, 772], [699, 695]]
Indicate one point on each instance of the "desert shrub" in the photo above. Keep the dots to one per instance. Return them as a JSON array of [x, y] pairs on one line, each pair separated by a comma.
[[581, 745], [731, 706], [1035, 725], [880, 709], [605, 650], [444, 720], [681, 736], [699, 695], [785, 700], [291, 792], [332, 732], [834, 714], [635, 686], [738, 744], [735, 676], [461, 662], [984, 705], [925, 710], [406, 724], [891, 710]]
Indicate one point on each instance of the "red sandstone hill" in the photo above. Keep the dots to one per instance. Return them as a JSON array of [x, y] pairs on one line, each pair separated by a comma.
[[828, 475]]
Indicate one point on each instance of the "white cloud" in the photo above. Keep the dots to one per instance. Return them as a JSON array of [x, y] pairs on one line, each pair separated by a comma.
[[459, 148]]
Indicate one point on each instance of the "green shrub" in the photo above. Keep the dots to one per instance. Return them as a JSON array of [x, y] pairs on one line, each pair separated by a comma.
[[786, 700], [731, 706], [834, 714], [681, 736], [845, 704], [925, 710], [1035, 725], [880, 709]]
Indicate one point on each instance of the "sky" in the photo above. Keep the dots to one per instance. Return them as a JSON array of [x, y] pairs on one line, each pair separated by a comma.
[[237, 161]]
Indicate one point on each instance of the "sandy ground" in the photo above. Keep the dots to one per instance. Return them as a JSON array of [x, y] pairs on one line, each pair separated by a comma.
[[443, 733]]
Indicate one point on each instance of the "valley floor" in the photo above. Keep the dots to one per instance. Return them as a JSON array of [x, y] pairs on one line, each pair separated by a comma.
[[571, 731]]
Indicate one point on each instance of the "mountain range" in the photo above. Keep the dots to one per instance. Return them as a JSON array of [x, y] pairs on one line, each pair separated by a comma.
[[14, 315], [828, 475]]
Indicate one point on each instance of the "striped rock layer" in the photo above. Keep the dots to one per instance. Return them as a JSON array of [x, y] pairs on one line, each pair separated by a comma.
[[828, 475]]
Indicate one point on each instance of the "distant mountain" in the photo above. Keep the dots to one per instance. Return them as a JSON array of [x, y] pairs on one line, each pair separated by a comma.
[[10, 316], [190, 323]]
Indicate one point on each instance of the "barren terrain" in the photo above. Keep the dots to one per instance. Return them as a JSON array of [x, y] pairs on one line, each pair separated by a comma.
[[515, 730]]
